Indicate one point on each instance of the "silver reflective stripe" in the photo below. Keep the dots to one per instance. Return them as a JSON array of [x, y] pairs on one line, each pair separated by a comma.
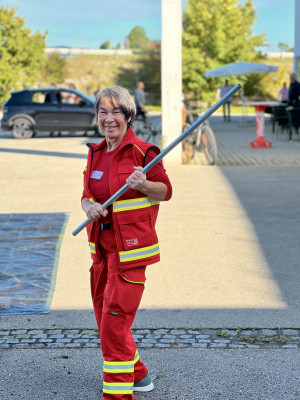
[[92, 247], [137, 357], [118, 366], [139, 253], [118, 388]]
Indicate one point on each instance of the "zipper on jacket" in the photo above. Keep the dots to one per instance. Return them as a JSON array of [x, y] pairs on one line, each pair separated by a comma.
[[91, 164]]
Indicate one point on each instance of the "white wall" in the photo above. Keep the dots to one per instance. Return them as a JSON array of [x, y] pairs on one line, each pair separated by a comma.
[[71, 52]]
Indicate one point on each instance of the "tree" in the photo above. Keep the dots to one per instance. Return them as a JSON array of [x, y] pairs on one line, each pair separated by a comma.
[[105, 45], [137, 38], [21, 53], [215, 33], [55, 69], [283, 47], [146, 68]]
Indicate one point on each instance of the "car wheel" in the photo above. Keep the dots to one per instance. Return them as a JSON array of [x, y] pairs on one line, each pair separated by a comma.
[[22, 128]]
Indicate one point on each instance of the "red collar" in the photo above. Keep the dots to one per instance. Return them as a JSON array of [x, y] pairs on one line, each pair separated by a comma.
[[127, 139]]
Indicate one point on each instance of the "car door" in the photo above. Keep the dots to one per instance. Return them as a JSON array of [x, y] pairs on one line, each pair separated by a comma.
[[45, 110], [74, 112]]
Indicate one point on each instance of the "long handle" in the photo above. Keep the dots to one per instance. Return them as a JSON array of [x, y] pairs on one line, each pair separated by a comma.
[[161, 155]]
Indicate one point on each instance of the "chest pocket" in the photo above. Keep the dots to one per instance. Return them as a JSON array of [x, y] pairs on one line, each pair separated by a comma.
[[125, 169]]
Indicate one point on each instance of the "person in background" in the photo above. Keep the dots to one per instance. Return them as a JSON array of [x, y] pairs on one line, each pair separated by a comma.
[[139, 98], [98, 90], [122, 238], [71, 98], [89, 91], [283, 94], [294, 91], [224, 90]]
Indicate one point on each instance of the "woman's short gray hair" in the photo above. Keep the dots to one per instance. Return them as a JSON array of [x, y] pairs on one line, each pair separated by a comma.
[[121, 96]]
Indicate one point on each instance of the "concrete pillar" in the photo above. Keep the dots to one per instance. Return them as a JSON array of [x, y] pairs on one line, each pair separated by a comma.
[[171, 77], [296, 67], [297, 38]]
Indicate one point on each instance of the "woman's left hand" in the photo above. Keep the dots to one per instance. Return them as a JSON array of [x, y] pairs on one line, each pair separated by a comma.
[[137, 179]]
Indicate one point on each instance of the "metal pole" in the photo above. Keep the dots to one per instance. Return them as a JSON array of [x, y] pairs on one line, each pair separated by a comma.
[[161, 155]]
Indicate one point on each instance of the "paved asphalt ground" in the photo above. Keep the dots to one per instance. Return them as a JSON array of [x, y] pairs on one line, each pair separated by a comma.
[[230, 249]]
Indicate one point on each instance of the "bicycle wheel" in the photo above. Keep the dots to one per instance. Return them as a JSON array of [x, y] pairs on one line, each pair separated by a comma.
[[152, 132], [144, 134], [188, 147], [210, 145], [142, 130]]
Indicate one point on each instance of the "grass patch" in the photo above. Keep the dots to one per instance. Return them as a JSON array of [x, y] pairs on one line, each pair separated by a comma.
[[161, 376], [248, 339], [153, 107], [269, 340], [223, 334]]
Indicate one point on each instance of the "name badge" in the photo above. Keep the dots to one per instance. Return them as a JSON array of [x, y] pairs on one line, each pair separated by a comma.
[[96, 174]]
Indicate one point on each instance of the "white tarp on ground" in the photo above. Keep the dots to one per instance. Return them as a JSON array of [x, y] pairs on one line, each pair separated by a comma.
[[240, 68], [29, 248]]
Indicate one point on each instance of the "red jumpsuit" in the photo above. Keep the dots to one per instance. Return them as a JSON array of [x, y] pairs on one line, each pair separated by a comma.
[[120, 255]]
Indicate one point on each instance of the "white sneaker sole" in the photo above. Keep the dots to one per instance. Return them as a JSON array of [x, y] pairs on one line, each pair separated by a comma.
[[147, 388]]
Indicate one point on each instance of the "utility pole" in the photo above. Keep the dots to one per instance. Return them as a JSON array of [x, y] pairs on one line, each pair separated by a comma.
[[171, 77]]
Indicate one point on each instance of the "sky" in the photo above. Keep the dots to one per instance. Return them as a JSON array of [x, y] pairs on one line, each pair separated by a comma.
[[89, 23]]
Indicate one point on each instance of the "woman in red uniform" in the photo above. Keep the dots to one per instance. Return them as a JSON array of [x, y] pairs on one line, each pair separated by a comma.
[[122, 238]]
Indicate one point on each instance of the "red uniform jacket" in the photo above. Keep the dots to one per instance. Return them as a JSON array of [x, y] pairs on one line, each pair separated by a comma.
[[134, 214]]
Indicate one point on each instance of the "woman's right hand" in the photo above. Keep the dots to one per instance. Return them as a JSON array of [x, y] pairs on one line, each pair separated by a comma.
[[93, 211]]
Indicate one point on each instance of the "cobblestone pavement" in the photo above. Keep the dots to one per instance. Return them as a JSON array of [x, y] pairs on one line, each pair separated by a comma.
[[155, 338]]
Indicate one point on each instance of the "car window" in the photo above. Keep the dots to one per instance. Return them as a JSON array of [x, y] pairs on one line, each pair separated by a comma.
[[23, 97], [41, 97], [69, 97]]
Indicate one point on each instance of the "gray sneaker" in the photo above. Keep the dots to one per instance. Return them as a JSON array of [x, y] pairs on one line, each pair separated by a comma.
[[145, 385]]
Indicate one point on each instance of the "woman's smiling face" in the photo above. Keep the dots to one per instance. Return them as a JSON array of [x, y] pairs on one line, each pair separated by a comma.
[[112, 121]]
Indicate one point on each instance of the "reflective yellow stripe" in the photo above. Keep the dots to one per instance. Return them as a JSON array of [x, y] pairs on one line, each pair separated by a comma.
[[118, 391], [118, 387], [118, 371], [92, 247], [133, 204], [143, 252], [127, 280], [91, 200], [137, 357], [139, 149]]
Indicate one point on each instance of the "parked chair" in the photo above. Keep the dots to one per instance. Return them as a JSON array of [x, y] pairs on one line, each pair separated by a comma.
[[269, 110], [294, 120], [280, 118]]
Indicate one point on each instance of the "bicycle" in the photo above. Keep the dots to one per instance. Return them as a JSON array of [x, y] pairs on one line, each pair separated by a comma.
[[202, 139], [144, 128]]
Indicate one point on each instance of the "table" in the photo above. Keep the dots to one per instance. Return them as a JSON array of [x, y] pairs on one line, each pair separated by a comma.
[[260, 123]]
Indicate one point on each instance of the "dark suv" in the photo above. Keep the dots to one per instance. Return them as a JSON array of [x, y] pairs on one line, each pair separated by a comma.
[[53, 109]]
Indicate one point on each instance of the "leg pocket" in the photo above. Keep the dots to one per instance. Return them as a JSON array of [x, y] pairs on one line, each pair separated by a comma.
[[127, 291], [135, 275]]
